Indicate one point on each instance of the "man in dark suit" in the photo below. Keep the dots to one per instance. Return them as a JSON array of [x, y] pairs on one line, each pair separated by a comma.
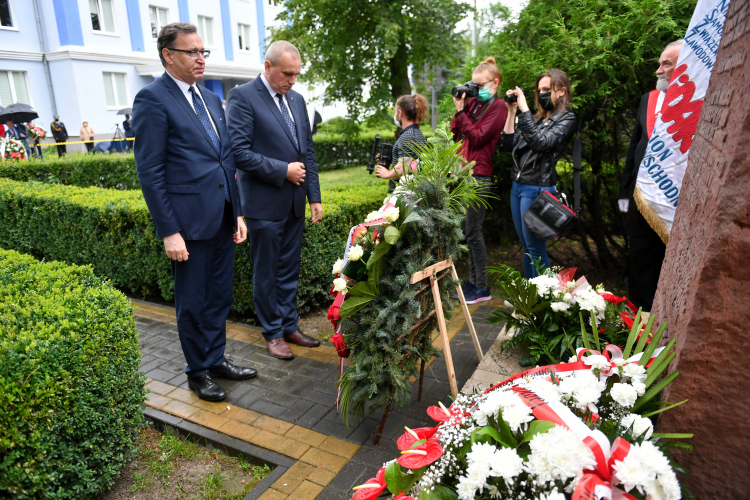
[[186, 168], [273, 150], [128, 132], [60, 133], [646, 253]]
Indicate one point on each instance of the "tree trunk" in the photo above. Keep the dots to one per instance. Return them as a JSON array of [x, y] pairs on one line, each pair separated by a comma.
[[399, 81], [598, 228]]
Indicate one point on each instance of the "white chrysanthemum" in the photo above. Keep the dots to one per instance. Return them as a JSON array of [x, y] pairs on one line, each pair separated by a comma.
[[552, 495], [619, 361], [558, 455], [631, 472], [481, 453], [584, 388], [477, 474], [466, 489], [496, 400], [597, 361], [506, 464], [516, 416], [337, 266], [589, 300], [647, 468], [639, 386], [356, 252], [373, 215], [651, 455], [624, 394], [339, 285], [665, 487], [567, 297], [545, 284], [635, 371], [559, 306], [573, 359], [543, 388], [391, 214]]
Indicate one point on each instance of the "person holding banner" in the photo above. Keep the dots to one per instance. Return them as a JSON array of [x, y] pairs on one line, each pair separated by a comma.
[[646, 247]]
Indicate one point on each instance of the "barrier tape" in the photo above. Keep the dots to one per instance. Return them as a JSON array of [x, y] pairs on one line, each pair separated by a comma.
[[80, 142]]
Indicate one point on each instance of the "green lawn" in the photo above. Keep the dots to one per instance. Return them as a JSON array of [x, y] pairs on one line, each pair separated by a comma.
[[348, 176]]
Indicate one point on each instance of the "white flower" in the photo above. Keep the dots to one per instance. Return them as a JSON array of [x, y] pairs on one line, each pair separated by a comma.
[[573, 359], [619, 361], [589, 300], [624, 394], [477, 474], [517, 415], [553, 495], [584, 388], [558, 454], [647, 468], [373, 215], [640, 425], [631, 472], [639, 386], [635, 371], [466, 489], [515, 412], [559, 306], [481, 453], [339, 285], [391, 214], [506, 464], [567, 297], [597, 361], [545, 284], [355, 253], [337, 266]]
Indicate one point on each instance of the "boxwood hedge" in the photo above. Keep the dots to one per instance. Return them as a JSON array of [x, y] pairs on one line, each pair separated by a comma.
[[70, 387], [112, 231]]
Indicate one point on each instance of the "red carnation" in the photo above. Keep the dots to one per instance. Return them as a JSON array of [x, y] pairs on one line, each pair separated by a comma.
[[421, 456], [406, 441], [372, 488]]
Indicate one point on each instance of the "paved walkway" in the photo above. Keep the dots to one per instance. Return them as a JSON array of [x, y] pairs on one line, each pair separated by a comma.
[[290, 408]]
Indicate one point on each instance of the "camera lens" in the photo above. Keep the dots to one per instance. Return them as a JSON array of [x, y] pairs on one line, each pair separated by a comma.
[[510, 98]]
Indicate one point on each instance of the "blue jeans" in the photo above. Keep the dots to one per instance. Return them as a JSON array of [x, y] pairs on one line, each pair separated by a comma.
[[521, 198]]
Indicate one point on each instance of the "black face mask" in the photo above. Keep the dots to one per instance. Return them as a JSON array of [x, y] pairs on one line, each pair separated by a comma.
[[545, 101]]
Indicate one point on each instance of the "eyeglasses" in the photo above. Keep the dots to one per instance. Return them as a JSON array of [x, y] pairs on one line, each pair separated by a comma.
[[194, 53], [481, 85]]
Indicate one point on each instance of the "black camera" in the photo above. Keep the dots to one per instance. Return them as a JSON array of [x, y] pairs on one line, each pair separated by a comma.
[[469, 88], [511, 98], [386, 154], [371, 164]]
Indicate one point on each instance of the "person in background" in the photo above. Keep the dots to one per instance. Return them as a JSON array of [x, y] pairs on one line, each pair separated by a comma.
[[409, 113], [10, 130], [87, 135], [224, 104], [647, 250], [478, 122], [60, 133], [128, 133], [541, 142]]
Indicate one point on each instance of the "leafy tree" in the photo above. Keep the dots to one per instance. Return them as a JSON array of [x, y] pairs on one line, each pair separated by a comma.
[[609, 49], [350, 44]]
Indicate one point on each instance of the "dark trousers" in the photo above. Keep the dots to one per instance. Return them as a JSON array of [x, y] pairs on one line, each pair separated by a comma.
[[61, 150], [37, 149], [474, 230], [203, 297], [89, 146], [646, 256], [276, 246]]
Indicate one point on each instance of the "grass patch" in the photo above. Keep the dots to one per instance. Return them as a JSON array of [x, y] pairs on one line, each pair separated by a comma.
[[169, 467], [349, 176]]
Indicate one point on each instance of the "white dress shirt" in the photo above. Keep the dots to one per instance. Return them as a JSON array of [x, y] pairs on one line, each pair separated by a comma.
[[275, 100], [185, 88]]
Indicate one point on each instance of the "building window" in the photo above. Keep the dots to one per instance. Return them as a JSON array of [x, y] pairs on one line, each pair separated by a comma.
[[13, 88], [275, 3], [6, 20], [244, 33], [158, 20], [206, 30], [102, 18], [115, 90]]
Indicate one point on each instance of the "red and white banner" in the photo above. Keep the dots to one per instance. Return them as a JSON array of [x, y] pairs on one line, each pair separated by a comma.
[[663, 167]]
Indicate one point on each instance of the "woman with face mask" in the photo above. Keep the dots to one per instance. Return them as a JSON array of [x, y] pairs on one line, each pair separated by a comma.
[[537, 144], [478, 122], [410, 111]]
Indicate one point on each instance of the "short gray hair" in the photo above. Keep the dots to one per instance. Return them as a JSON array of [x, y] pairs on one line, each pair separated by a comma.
[[676, 42], [168, 35], [279, 48]]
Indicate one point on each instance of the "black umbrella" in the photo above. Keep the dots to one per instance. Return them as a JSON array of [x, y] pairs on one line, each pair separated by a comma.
[[125, 111], [19, 113]]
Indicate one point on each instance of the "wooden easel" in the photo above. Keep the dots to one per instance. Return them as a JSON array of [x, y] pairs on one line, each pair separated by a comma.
[[431, 272]]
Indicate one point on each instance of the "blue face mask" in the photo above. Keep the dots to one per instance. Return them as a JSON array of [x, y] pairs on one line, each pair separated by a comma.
[[484, 94]]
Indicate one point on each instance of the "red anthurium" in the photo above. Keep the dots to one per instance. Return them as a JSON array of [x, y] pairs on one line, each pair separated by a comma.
[[441, 413], [372, 488], [411, 436], [421, 456], [401, 496]]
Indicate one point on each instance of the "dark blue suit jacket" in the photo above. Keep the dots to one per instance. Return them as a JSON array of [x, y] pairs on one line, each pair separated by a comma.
[[179, 168], [263, 148]]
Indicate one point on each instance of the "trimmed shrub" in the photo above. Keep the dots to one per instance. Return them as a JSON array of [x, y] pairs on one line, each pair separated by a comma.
[[70, 387], [112, 231], [332, 152], [116, 171]]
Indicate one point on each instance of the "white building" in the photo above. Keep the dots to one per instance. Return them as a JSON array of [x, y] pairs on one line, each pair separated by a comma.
[[86, 59]]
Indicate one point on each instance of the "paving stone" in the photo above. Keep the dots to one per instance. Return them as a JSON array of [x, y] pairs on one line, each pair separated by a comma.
[[166, 354], [239, 414], [353, 474], [329, 494], [156, 401], [240, 390], [248, 399], [267, 408], [178, 380], [293, 477], [152, 364], [209, 419], [159, 388], [339, 447], [328, 400], [212, 406], [313, 416], [372, 458], [158, 374], [296, 410], [188, 397], [330, 428], [312, 438], [272, 425], [283, 445], [271, 494], [279, 398], [239, 430], [180, 409], [323, 459], [306, 491], [363, 431]]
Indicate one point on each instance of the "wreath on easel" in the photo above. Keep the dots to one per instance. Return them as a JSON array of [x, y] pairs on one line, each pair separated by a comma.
[[378, 313]]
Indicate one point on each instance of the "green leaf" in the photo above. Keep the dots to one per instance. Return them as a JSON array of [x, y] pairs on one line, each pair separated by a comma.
[[655, 390], [391, 235], [663, 354], [650, 414], [505, 434], [672, 435], [651, 347], [393, 478], [537, 427], [632, 335], [353, 305], [362, 289], [657, 370], [379, 253], [492, 432], [412, 217], [439, 492], [583, 333], [417, 443], [479, 437], [596, 331], [644, 337]]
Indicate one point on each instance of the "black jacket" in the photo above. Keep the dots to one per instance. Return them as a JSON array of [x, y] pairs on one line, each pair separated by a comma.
[[538, 146], [636, 151], [60, 135]]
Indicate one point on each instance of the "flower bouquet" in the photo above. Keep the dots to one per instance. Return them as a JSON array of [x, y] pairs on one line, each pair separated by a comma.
[[578, 430], [549, 311], [36, 131], [12, 150]]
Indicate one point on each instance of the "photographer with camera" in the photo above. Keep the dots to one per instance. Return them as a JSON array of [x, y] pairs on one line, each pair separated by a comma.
[[409, 113], [541, 142], [478, 122]]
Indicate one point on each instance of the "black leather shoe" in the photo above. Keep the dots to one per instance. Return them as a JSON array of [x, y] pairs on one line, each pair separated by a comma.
[[232, 372], [205, 387]]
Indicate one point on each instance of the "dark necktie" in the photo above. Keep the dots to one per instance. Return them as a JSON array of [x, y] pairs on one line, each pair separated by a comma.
[[288, 119], [200, 110]]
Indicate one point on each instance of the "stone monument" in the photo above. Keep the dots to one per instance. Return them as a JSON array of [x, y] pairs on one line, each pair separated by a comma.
[[704, 289]]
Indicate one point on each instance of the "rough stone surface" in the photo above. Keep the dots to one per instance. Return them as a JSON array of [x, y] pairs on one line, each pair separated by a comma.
[[704, 289], [499, 364]]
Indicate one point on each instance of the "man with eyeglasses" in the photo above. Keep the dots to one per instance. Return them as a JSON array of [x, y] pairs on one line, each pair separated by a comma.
[[185, 165]]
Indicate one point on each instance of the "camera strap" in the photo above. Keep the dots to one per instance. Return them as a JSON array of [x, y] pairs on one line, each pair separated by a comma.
[[484, 110]]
